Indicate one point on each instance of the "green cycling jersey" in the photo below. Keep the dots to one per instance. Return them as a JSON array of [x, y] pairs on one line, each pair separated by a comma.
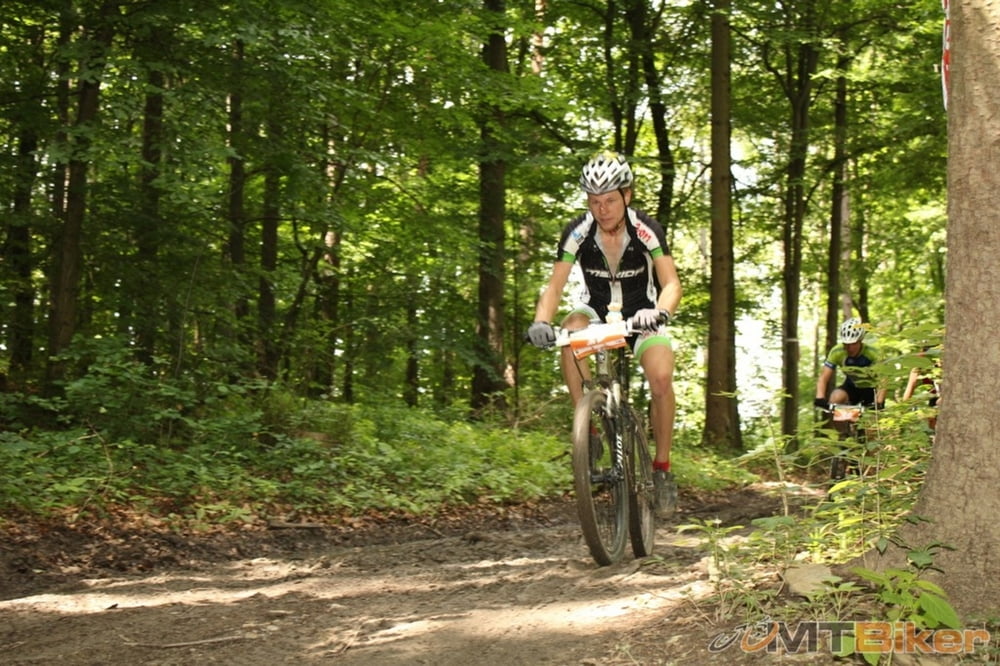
[[857, 369]]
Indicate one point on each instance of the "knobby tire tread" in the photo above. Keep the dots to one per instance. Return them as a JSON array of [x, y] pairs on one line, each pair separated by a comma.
[[642, 510], [602, 506]]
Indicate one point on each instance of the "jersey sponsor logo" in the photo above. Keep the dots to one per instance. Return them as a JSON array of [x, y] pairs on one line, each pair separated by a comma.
[[644, 234], [631, 273]]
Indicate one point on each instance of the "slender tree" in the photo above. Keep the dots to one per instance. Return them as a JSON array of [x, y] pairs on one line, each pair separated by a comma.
[[488, 371], [792, 59], [643, 24], [95, 43], [722, 422]]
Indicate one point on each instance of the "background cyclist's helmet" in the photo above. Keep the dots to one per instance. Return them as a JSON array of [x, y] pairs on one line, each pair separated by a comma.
[[606, 171], [851, 331]]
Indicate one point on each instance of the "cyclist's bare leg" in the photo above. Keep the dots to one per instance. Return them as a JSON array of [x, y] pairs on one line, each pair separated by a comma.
[[839, 397], [574, 371], [658, 366]]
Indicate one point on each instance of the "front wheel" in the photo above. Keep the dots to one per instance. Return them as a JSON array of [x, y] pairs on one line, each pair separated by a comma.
[[599, 479], [642, 497]]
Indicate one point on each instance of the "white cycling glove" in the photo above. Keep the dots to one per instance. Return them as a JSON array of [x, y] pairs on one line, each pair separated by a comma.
[[541, 334], [649, 319]]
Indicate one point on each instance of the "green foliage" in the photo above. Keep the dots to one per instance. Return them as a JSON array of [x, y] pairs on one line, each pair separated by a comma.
[[729, 573], [862, 512], [905, 597], [247, 451], [696, 467]]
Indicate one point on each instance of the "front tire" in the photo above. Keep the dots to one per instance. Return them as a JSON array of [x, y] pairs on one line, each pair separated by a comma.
[[600, 481], [642, 497]]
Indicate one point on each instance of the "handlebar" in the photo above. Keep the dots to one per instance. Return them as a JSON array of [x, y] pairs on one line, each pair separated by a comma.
[[595, 331], [598, 336], [832, 407], [842, 412]]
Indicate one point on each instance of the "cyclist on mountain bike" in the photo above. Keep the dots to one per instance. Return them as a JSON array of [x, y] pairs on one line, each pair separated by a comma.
[[625, 260], [855, 358]]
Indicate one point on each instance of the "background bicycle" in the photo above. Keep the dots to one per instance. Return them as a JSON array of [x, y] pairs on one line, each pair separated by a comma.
[[848, 421]]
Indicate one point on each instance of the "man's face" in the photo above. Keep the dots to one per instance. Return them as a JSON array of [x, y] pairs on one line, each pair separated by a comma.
[[853, 348], [609, 208]]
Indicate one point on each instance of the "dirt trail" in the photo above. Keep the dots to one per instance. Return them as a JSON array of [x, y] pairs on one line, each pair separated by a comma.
[[513, 587]]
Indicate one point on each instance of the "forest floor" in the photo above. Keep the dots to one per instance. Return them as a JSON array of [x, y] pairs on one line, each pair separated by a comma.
[[493, 585]]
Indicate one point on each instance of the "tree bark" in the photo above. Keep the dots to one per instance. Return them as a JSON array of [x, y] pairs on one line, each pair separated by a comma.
[[236, 246], [722, 420], [487, 377], [836, 290], [148, 222], [961, 495], [798, 87], [642, 29], [68, 254]]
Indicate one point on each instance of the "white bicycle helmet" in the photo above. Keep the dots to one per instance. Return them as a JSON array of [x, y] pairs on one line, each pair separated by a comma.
[[606, 171], [851, 331]]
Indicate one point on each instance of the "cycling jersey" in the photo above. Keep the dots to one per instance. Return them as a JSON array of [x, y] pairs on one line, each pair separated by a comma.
[[854, 366], [634, 283]]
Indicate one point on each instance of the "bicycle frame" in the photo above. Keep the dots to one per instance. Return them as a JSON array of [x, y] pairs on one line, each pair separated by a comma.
[[612, 369], [612, 504], [611, 373]]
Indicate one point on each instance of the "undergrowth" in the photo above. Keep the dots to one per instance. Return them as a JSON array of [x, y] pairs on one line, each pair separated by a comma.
[[217, 454]]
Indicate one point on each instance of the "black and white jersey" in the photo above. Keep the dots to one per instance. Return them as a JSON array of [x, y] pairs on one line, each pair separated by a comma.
[[634, 283]]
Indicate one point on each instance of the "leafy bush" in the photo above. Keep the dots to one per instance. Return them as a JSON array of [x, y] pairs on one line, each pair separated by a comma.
[[258, 447]]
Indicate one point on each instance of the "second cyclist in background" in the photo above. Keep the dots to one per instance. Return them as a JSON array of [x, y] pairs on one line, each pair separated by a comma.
[[854, 357], [625, 260]]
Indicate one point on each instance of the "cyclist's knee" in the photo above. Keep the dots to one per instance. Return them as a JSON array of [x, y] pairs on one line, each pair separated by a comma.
[[575, 321], [661, 385]]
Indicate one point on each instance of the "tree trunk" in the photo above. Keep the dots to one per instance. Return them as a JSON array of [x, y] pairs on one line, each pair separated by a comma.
[[487, 377], [637, 14], [237, 178], [961, 495], [267, 345], [722, 421], [411, 384], [148, 222], [67, 251], [802, 66], [17, 256], [836, 290]]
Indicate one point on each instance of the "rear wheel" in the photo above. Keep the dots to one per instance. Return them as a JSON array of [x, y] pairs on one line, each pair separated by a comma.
[[641, 509], [599, 480]]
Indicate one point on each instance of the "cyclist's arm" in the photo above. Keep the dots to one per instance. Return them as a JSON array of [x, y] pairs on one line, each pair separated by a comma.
[[911, 383], [670, 284], [548, 302], [825, 380]]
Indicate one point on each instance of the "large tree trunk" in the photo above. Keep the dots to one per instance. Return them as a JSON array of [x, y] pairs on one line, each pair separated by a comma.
[[961, 495], [722, 420]]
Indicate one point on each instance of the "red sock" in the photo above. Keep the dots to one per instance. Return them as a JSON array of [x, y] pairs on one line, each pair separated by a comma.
[[665, 466]]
